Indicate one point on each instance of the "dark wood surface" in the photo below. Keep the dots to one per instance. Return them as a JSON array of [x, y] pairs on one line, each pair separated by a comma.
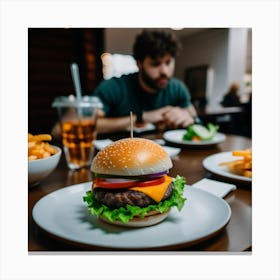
[[235, 237], [50, 53]]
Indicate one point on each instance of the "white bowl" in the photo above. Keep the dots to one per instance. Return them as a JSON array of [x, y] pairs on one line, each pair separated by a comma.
[[39, 169]]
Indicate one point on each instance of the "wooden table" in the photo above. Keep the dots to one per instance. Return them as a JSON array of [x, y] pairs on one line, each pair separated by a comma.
[[235, 237]]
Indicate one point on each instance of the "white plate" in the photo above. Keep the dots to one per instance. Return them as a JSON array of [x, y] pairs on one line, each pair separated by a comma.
[[211, 163], [64, 214], [176, 136]]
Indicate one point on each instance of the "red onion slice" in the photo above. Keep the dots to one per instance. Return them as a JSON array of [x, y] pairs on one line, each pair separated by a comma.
[[159, 174], [119, 180]]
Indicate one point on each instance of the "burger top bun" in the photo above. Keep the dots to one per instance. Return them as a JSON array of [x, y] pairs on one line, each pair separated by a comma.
[[131, 157]]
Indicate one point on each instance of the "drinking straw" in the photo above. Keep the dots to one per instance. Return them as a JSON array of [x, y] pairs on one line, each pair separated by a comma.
[[77, 85], [76, 80]]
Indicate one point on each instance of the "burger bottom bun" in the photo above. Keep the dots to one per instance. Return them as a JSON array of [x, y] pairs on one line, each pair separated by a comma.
[[152, 218]]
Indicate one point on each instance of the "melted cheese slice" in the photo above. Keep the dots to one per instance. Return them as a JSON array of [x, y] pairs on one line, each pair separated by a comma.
[[155, 192]]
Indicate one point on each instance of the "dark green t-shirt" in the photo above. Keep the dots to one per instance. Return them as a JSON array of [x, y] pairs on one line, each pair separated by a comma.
[[123, 95]]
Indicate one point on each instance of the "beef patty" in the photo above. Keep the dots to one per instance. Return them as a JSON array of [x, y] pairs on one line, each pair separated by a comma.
[[121, 197]]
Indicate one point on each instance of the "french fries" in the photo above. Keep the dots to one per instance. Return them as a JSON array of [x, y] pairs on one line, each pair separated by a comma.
[[241, 166], [37, 148]]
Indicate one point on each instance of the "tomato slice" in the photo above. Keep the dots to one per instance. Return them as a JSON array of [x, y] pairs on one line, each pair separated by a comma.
[[153, 182], [123, 183], [196, 138], [115, 183]]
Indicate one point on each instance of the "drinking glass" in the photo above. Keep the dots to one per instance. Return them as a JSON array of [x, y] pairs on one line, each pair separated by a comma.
[[78, 118]]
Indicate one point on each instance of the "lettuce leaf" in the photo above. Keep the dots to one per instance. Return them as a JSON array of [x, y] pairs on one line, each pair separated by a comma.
[[203, 132], [189, 133], [124, 214]]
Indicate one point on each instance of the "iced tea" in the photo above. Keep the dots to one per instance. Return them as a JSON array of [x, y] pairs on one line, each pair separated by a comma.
[[78, 137]]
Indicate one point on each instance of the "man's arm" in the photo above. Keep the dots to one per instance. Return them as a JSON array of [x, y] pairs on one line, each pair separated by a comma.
[[109, 125], [191, 110], [180, 117]]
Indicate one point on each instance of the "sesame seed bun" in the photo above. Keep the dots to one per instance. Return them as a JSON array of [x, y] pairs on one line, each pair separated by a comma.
[[131, 157]]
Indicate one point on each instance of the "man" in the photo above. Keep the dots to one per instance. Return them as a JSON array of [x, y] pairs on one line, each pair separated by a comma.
[[151, 94]]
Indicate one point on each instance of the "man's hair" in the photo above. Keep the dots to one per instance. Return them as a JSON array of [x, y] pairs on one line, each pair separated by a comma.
[[154, 44]]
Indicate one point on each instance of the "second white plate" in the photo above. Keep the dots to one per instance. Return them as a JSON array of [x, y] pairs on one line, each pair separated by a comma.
[[212, 164], [176, 137]]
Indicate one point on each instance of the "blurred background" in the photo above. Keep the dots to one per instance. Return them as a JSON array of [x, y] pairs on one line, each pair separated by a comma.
[[210, 61]]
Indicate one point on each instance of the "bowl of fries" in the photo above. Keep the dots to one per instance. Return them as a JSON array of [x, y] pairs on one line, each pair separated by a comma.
[[42, 158]]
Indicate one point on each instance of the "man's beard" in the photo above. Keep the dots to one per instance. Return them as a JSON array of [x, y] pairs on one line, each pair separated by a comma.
[[153, 83]]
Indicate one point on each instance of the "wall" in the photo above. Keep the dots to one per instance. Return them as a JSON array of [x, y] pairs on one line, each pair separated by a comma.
[[206, 48], [223, 49], [237, 51], [50, 53], [120, 40]]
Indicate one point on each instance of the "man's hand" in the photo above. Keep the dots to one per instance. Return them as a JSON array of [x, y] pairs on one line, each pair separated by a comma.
[[170, 117], [177, 117], [156, 116]]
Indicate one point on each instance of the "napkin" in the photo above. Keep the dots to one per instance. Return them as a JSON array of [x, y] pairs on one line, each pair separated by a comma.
[[172, 152], [160, 141], [146, 127], [101, 144], [219, 189]]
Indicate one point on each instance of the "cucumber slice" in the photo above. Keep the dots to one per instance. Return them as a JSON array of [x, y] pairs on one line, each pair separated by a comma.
[[205, 133], [201, 131], [212, 129]]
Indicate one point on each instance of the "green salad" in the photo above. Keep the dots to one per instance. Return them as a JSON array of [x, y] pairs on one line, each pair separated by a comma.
[[198, 132]]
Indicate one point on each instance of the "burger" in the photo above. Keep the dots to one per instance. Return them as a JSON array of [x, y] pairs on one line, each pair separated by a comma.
[[131, 186]]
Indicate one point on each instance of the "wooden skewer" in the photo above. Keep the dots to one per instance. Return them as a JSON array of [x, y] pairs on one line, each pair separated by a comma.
[[131, 125]]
